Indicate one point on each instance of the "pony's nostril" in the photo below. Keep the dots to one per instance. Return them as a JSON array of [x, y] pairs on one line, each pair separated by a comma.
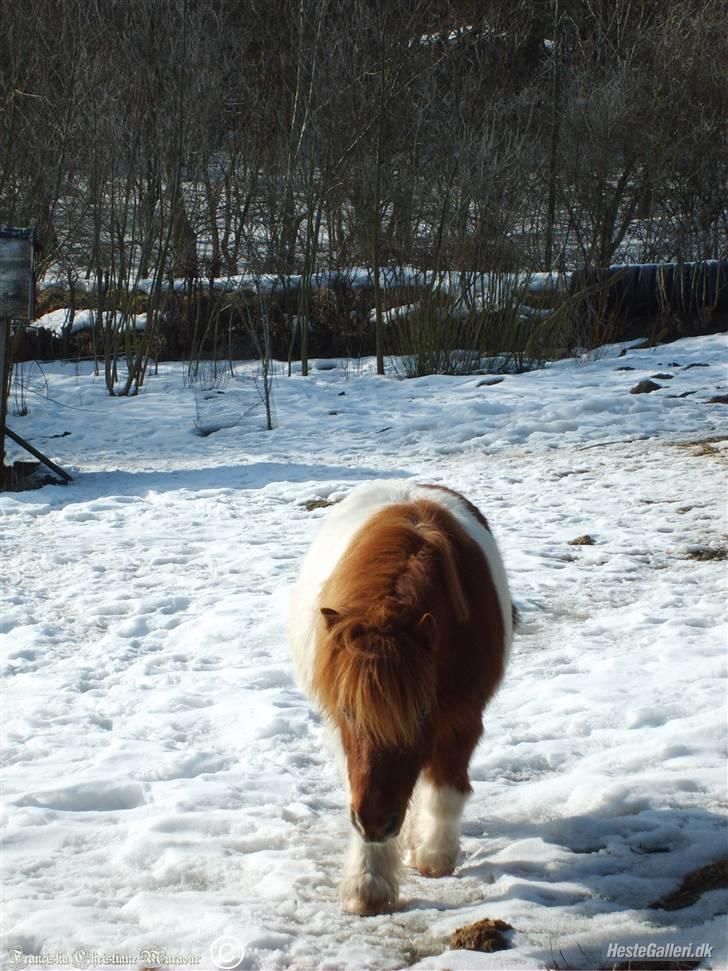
[[391, 826]]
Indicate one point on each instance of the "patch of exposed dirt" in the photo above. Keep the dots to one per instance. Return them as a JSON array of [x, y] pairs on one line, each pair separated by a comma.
[[714, 876], [707, 447], [484, 935], [711, 440], [24, 477], [645, 387], [708, 553], [312, 504]]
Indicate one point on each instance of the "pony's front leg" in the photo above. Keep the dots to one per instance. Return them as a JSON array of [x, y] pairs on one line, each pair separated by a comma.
[[371, 877], [432, 831]]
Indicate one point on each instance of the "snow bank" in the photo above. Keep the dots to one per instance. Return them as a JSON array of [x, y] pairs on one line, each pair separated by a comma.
[[57, 320]]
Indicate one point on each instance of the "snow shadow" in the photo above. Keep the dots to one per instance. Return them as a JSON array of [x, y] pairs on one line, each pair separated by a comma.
[[257, 475], [586, 880], [603, 862]]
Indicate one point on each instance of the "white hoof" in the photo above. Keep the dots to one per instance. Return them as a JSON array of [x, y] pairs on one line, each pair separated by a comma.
[[368, 895], [433, 863], [432, 829]]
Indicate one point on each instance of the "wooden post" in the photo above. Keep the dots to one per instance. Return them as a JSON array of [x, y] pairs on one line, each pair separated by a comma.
[[39, 455], [5, 387]]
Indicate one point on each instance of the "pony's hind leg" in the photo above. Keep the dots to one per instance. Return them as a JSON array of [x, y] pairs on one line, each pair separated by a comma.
[[371, 877], [432, 831]]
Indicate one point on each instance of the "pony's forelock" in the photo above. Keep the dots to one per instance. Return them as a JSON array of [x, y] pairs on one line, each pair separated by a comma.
[[384, 682], [375, 659]]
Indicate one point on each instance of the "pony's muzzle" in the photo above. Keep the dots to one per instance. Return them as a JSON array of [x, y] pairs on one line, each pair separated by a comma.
[[376, 832]]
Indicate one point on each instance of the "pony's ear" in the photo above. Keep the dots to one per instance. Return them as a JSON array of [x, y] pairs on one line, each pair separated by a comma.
[[426, 629], [330, 616]]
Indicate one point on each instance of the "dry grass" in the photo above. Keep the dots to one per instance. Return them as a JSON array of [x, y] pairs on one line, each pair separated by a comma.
[[630, 966], [563, 964]]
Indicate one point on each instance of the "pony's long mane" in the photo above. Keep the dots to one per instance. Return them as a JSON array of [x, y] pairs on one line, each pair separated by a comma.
[[375, 657]]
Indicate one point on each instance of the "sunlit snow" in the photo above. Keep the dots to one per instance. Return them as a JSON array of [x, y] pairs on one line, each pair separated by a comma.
[[166, 784]]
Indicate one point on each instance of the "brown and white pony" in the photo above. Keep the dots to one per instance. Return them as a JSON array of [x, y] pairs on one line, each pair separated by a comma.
[[400, 626]]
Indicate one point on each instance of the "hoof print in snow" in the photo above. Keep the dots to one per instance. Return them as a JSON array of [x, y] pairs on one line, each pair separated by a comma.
[[644, 387], [489, 382], [714, 876], [625, 367], [484, 935], [585, 540]]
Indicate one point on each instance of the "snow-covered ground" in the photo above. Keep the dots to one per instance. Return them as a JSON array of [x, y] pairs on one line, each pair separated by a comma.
[[166, 784]]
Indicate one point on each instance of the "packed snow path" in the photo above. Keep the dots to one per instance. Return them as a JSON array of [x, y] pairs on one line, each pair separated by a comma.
[[166, 784]]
